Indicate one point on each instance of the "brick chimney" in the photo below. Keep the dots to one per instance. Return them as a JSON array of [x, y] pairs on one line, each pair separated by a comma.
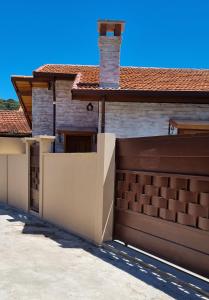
[[109, 44]]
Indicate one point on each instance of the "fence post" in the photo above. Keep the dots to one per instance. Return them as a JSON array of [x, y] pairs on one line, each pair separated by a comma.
[[105, 187]]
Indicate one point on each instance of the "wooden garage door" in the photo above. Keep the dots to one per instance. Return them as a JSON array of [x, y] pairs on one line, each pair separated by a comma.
[[162, 198]]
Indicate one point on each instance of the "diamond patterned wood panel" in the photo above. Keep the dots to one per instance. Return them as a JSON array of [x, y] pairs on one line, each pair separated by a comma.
[[176, 198]]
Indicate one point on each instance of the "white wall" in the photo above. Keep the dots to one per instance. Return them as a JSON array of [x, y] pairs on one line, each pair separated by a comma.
[[149, 119]]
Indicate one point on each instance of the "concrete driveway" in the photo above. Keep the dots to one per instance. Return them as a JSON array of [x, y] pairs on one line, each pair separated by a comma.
[[40, 261]]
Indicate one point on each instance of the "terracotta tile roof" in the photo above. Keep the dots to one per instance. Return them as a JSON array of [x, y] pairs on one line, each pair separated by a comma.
[[136, 78], [14, 123]]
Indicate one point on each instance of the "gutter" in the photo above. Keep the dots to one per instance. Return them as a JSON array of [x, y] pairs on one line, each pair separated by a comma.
[[54, 110], [103, 99]]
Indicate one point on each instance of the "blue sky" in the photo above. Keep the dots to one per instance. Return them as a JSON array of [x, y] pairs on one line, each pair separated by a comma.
[[158, 33]]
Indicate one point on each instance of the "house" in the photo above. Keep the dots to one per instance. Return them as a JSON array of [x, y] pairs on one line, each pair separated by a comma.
[[13, 123], [74, 102]]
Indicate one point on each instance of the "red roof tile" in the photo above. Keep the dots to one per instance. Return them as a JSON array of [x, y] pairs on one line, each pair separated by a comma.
[[13, 122], [136, 78]]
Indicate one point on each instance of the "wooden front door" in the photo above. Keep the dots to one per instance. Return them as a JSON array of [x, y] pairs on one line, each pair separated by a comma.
[[34, 177], [78, 143]]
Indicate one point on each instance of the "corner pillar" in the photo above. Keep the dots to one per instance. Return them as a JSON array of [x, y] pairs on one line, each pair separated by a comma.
[[105, 188]]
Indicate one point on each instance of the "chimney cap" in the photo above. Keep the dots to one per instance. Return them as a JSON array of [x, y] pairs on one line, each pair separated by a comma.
[[111, 25]]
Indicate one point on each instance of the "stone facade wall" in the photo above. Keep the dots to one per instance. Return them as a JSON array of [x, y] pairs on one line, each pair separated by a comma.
[[123, 119], [69, 113], [42, 111], [149, 119], [72, 113]]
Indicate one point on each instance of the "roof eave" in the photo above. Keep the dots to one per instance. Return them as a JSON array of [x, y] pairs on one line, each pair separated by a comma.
[[52, 75], [198, 97], [12, 134], [13, 79]]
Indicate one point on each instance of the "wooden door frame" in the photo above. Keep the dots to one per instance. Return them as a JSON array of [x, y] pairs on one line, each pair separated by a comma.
[[32, 155], [188, 126], [75, 132]]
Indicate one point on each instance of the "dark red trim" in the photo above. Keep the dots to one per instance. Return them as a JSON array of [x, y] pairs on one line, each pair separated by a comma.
[[197, 97]]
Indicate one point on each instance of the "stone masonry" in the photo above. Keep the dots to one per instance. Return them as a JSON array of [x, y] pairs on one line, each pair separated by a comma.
[[69, 113], [124, 119], [72, 113], [109, 61], [42, 111], [149, 119]]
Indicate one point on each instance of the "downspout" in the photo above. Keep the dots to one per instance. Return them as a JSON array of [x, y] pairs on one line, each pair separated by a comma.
[[54, 112], [103, 115]]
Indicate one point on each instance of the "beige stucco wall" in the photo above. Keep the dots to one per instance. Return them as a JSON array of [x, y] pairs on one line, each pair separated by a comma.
[[11, 145], [18, 181], [3, 178], [105, 187], [78, 190], [70, 191], [13, 172]]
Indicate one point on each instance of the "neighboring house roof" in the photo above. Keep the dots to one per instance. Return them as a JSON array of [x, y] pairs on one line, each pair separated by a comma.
[[13, 123], [136, 78]]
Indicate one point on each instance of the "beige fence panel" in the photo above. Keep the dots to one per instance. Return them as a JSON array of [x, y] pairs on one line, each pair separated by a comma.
[[70, 191], [3, 178], [78, 190], [8, 147], [11, 145], [18, 181]]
